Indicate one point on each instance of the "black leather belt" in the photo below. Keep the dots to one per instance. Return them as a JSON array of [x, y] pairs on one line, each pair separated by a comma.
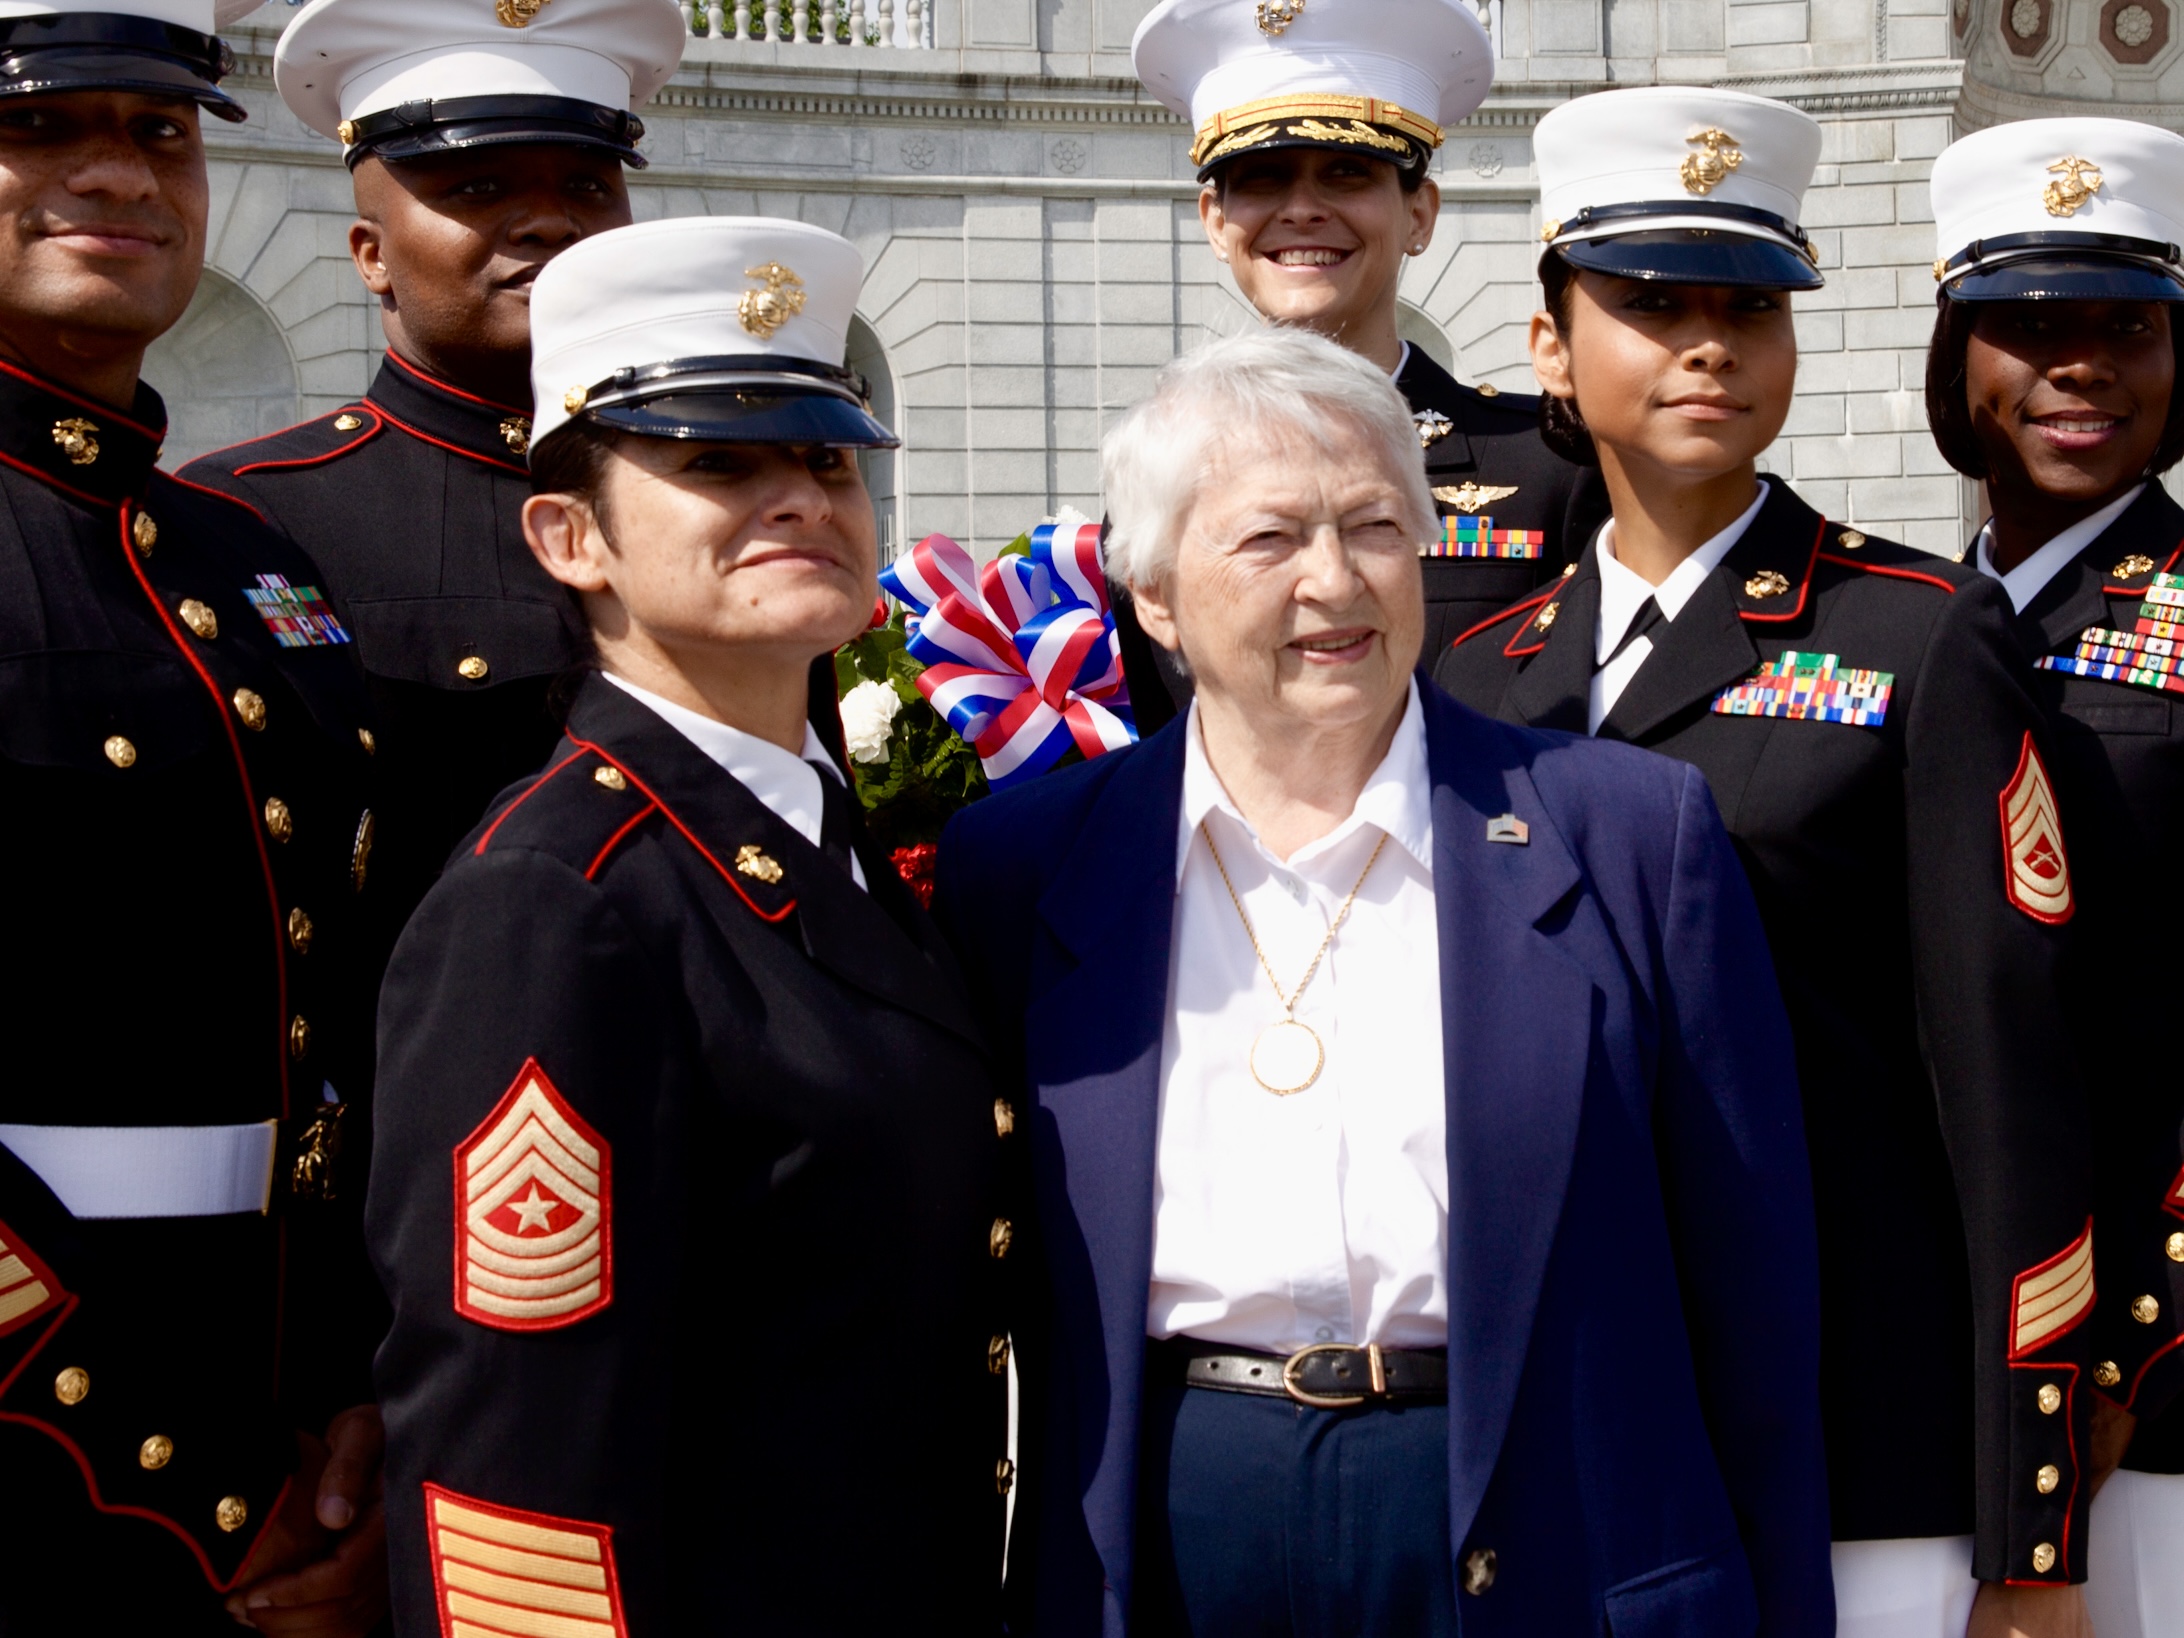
[[1326, 1376]]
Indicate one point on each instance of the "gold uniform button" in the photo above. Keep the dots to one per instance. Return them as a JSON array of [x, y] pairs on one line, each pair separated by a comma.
[[2048, 1478], [120, 752], [155, 1453], [369, 740], [472, 668], [72, 1386], [1487, 389], [2175, 1248], [1000, 1237], [299, 1036], [232, 1514], [300, 931], [2051, 1399], [347, 423], [1004, 1119], [1004, 1476], [280, 819], [1850, 540], [199, 618], [250, 706], [145, 533], [2146, 1310], [2043, 1559], [1480, 1568], [612, 779], [997, 1355], [1569, 570], [2107, 1373]]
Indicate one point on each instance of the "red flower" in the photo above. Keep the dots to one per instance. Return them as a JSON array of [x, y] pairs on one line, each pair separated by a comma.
[[915, 866]]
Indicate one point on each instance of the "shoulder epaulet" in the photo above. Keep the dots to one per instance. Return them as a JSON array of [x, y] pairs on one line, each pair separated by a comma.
[[587, 804], [1850, 548], [306, 444]]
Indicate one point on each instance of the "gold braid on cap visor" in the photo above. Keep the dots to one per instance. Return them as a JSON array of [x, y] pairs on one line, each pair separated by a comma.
[[1370, 123]]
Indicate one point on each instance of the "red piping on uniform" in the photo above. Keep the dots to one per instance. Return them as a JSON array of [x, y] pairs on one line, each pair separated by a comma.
[[366, 436], [250, 800], [453, 449], [220, 494], [1804, 587], [537, 784], [2139, 1377], [91, 1484], [155, 434], [1894, 574], [688, 834], [1510, 649], [450, 388], [48, 478], [2173, 1201], [2070, 1501], [1496, 619], [616, 840], [2139, 591], [60, 1318]]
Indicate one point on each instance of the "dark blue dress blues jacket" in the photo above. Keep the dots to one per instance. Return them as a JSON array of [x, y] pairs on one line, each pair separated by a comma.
[[1633, 1307]]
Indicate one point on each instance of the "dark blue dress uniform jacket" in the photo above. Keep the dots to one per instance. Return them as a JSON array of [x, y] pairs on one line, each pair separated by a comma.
[[2119, 771], [187, 851], [1943, 1101], [1633, 1312], [778, 1405]]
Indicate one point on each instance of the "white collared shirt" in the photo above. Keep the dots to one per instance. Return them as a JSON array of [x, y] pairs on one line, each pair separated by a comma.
[[2026, 581], [788, 785], [1323, 1216], [1623, 593]]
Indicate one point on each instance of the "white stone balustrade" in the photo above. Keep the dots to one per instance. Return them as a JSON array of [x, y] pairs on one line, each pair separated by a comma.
[[817, 23]]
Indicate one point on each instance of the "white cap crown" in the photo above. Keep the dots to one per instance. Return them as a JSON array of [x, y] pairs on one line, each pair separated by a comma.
[[2112, 176]]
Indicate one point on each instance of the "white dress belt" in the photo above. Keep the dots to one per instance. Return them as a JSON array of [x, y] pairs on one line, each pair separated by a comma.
[[151, 1171]]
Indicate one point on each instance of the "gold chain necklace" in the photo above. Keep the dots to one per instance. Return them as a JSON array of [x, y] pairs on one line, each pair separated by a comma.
[[1288, 1056]]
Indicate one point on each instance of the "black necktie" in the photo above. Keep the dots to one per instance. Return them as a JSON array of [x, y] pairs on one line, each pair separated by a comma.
[[1643, 624], [837, 819]]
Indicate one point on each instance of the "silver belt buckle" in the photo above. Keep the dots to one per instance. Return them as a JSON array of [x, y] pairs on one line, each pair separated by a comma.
[[1378, 1376]]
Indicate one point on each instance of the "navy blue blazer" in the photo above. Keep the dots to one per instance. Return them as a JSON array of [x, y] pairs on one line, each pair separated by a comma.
[[1633, 1303]]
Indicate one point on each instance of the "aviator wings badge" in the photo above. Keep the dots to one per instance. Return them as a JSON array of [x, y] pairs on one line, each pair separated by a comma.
[[1467, 497]]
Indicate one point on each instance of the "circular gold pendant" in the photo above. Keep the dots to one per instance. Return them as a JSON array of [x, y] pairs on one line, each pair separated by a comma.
[[1287, 1057]]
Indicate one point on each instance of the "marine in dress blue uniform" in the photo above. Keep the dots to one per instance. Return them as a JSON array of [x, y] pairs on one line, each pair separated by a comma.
[[1383, 82], [185, 765], [2081, 211], [686, 1124], [1863, 717], [409, 498]]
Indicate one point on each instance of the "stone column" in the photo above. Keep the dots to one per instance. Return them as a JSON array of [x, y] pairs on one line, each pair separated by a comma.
[[2026, 59]]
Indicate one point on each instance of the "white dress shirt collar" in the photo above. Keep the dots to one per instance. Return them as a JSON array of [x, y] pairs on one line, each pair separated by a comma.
[[2026, 581], [1623, 592], [787, 784], [1398, 797]]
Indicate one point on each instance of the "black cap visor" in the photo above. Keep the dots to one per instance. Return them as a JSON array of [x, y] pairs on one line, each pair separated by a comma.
[[2061, 266], [1389, 147], [1695, 256], [418, 130], [99, 51], [750, 398]]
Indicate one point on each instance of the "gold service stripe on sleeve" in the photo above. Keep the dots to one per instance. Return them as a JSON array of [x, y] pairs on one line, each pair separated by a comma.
[[21, 1300], [505, 1618], [514, 1533], [526, 1594], [2056, 1298], [528, 1566]]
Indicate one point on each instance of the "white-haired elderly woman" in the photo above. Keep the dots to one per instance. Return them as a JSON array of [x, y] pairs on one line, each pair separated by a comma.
[[1421, 1202]]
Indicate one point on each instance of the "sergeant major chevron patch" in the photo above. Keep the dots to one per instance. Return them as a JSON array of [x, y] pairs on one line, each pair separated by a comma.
[[2036, 871], [27, 1287], [534, 1247]]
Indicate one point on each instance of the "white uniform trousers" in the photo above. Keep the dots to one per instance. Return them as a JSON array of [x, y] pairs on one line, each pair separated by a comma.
[[1911, 1587], [2135, 1562]]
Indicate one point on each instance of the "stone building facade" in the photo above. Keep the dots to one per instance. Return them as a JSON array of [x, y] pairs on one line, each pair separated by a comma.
[[1030, 224]]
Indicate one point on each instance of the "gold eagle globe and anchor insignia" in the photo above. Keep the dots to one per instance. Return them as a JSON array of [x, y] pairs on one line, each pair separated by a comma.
[[1718, 155], [762, 312], [516, 434], [1467, 497], [1432, 427], [1276, 15], [518, 13], [2078, 181], [78, 439]]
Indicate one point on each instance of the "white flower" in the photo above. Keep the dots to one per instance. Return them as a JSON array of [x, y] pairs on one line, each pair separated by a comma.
[[868, 720], [1069, 517]]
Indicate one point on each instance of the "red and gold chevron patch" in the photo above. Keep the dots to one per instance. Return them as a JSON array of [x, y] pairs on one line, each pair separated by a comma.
[[27, 1287], [2036, 871], [2049, 1299], [534, 1230], [500, 1572]]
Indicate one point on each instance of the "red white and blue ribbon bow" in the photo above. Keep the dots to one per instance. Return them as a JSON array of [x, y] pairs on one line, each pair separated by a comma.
[[1020, 657]]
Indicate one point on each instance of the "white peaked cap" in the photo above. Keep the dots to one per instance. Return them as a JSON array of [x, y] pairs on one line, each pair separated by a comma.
[[1234, 65], [345, 59], [190, 14], [2105, 198], [773, 295]]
